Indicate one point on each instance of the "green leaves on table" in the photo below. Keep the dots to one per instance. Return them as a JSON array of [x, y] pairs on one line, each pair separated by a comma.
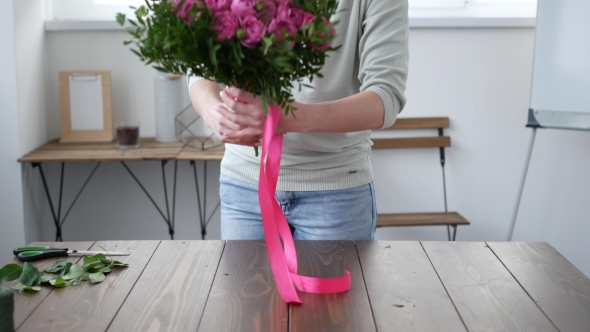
[[62, 273], [61, 266], [10, 272], [29, 276], [96, 266]]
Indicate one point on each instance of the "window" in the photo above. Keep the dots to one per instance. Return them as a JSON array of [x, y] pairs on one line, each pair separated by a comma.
[[65, 10], [90, 10], [436, 3]]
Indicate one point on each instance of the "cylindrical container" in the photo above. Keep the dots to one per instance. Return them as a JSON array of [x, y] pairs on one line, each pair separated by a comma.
[[168, 105], [127, 135]]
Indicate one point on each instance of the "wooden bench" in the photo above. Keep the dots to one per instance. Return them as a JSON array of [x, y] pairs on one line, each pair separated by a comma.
[[450, 219]]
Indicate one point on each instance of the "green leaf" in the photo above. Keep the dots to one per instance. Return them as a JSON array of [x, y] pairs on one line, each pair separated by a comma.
[[85, 276], [96, 277], [21, 287], [66, 269], [30, 276], [119, 264], [10, 272], [95, 258], [59, 265], [266, 43], [121, 19], [46, 277], [75, 272], [141, 12], [59, 282], [93, 267]]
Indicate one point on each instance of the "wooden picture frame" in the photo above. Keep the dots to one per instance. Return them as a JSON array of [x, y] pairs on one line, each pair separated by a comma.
[[85, 91]]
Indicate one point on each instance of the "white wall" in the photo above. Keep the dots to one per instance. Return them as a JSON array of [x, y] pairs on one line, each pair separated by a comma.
[[31, 66], [11, 203], [478, 77]]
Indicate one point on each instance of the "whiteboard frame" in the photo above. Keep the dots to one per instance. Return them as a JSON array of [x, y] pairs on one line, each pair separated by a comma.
[[555, 119]]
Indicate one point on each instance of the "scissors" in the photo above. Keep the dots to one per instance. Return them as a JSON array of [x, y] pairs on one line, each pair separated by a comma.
[[33, 253]]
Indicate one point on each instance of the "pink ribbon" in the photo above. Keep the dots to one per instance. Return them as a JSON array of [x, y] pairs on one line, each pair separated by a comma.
[[283, 259]]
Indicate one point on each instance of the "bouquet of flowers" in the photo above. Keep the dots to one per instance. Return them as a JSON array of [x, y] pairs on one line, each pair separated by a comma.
[[260, 46]]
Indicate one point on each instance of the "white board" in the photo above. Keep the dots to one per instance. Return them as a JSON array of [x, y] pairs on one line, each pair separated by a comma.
[[86, 108], [560, 95]]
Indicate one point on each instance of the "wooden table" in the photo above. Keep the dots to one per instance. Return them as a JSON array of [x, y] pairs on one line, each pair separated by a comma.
[[396, 286], [148, 149]]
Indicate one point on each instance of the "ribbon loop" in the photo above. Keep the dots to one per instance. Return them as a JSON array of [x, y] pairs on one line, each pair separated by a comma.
[[283, 258]]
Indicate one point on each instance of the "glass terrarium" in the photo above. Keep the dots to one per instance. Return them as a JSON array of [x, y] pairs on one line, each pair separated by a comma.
[[191, 129]]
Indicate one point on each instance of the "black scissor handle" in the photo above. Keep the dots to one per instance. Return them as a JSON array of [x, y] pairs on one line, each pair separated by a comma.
[[29, 256]]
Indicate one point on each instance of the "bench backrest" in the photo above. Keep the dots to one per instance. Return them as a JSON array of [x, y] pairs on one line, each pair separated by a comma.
[[440, 141]]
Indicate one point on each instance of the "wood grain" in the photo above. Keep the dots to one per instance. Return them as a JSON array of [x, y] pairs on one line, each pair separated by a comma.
[[486, 296], [171, 293], [348, 311], [421, 123], [26, 302], [148, 149], [411, 142], [556, 285], [92, 307], [244, 296], [190, 153], [421, 219], [399, 273]]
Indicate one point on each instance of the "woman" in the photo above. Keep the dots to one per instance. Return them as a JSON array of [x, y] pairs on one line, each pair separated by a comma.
[[325, 183]]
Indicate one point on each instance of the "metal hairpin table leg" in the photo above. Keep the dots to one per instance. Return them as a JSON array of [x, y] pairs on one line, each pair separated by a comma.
[[203, 219], [168, 218], [57, 220]]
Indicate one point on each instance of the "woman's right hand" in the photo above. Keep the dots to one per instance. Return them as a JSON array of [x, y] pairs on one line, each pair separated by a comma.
[[219, 117], [206, 99]]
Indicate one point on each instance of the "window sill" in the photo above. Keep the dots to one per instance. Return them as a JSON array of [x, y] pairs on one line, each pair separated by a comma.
[[470, 17], [415, 22]]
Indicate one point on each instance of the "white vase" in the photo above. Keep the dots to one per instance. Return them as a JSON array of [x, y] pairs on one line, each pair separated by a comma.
[[168, 104]]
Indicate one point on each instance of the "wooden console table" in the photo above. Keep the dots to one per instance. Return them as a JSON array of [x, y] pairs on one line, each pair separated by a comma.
[[148, 149]]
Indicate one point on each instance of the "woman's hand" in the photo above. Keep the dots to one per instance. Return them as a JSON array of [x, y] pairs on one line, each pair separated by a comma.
[[243, 116]]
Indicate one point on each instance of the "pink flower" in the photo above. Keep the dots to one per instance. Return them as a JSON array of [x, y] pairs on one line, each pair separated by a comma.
[[283, 12], [267, 10], [254, 31], [279, 25], [294, 15], [184, 11], [307, 18], [218, 5], [243, 8], [284, 2], [324, 36], [227, 24]]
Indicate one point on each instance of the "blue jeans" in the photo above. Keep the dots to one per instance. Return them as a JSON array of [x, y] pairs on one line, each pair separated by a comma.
[[348, 214]]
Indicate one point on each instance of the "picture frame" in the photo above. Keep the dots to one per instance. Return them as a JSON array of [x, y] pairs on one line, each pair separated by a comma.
[[85, 106]]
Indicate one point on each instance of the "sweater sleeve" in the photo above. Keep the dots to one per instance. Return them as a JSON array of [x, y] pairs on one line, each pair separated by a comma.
[[383, 53], [190, 80]]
